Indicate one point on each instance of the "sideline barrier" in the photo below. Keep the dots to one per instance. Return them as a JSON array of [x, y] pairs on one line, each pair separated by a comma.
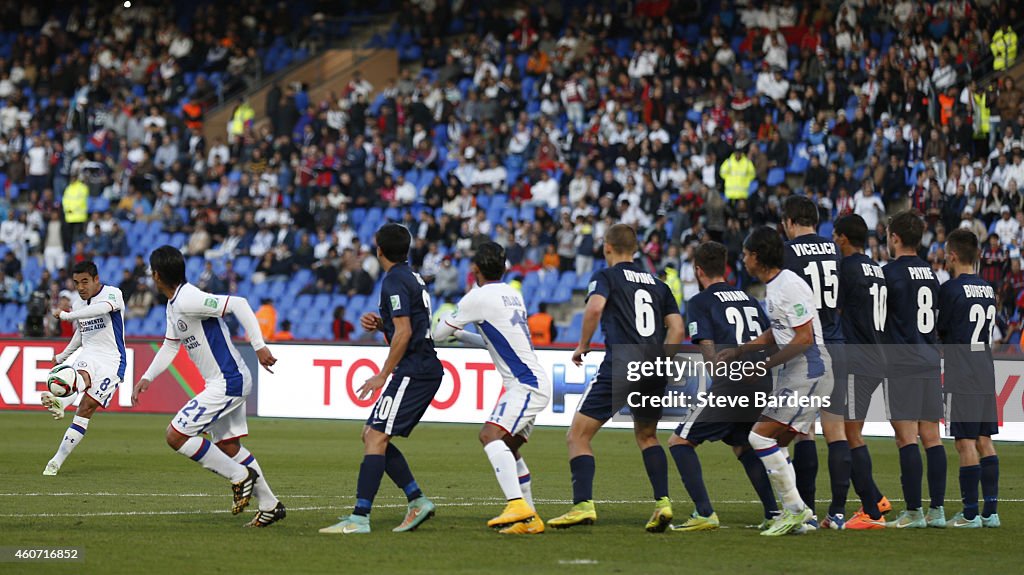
[[319, 381]]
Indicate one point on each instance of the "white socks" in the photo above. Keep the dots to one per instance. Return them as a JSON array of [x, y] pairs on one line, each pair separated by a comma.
[[780, 470], [524, 481], [72, 437], [268, 501], [210, 457], [505, 467]]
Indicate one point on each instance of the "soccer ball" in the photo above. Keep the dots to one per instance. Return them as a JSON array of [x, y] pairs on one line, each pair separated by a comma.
[[62, 380]]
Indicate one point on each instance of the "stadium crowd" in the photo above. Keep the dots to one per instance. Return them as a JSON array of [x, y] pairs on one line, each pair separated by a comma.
[[536, 125]]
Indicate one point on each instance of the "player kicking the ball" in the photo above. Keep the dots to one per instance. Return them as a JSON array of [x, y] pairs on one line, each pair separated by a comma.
[[195, 318], [804, 381], [640, 318], [499, 313], [415, 378], [100, 366]]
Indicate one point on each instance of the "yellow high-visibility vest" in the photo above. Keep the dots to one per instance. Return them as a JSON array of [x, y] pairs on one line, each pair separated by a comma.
[[981, 123], [998, 48], [737, 175], [76, 203]]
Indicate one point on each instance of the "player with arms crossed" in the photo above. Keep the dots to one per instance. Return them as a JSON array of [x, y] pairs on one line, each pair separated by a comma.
[[805, 381], [499, 313], [862, 306], [967, 311], [629, 303], [102, 363], [415, 378], [195, 320], [721, 316], [815, 259], [913, 388]]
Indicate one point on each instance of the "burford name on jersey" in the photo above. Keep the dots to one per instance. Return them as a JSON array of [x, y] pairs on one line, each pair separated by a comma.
[[979, 291], [823, 249], [920, 273], [872, 271]]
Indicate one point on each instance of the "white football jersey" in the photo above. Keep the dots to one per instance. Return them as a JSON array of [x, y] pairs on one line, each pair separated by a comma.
[[499, 313], [103, 335], [790, 304], [195, 318]]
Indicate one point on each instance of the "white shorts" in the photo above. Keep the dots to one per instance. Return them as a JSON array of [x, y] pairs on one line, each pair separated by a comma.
[[793, 386], [104, 380], [517, 409], [221, 416]]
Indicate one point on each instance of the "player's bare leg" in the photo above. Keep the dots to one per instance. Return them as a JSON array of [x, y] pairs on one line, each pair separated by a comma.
[[79, 425], [581, 463], [519, 513], [198, 449], [656, 464], [271, 510], [769, 439]]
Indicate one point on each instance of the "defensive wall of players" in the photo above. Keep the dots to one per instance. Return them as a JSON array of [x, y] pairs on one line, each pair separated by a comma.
[[319, 381]]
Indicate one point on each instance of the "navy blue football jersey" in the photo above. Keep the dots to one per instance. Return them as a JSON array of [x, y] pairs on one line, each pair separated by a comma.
[[816, 260], [862, 301], [637, 303], [404, 294], [728, 317], [967, 315], [913, 305]]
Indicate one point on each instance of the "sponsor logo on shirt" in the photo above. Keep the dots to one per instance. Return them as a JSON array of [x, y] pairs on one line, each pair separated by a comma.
[[211, 302], [800, 309], [396, 303], [182, 326], [693, 328]]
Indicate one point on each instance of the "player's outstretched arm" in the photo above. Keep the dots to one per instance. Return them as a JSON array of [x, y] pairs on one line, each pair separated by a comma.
[[591, 317], [241, 310], [764, 341], [803, 339], [450, 326], [74, 344], [92, 310], [164, 356]]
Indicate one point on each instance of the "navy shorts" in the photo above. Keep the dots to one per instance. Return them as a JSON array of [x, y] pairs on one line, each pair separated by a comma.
[[971, 416], [602, 400], [837, 401], [855, 392], [403, 403], [913, 398]]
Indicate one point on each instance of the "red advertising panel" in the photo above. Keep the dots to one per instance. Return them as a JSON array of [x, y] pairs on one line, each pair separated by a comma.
[[24, 364]]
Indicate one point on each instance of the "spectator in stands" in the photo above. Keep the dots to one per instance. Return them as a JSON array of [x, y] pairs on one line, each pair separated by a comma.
[[446, 283], [19, 290], [285, 333], [140, 302], [542, 326], [993, 260], [341, 328], [267, 317]]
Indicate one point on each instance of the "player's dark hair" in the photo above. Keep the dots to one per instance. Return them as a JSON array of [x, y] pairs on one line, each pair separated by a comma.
[[800, 210], [854, 228], [394, 241], [909, 226], [964, 244], [710, 257], [621, 238], [85, 267], [170, 264], [765, 244], [490, 260]]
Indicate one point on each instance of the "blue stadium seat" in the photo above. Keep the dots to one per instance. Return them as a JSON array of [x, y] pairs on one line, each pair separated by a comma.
[[776, 176]]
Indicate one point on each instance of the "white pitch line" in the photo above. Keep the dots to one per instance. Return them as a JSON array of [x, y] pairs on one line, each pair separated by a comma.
[[467, 500]]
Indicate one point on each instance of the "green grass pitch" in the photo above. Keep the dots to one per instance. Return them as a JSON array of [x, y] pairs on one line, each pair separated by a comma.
[[137, 507]]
